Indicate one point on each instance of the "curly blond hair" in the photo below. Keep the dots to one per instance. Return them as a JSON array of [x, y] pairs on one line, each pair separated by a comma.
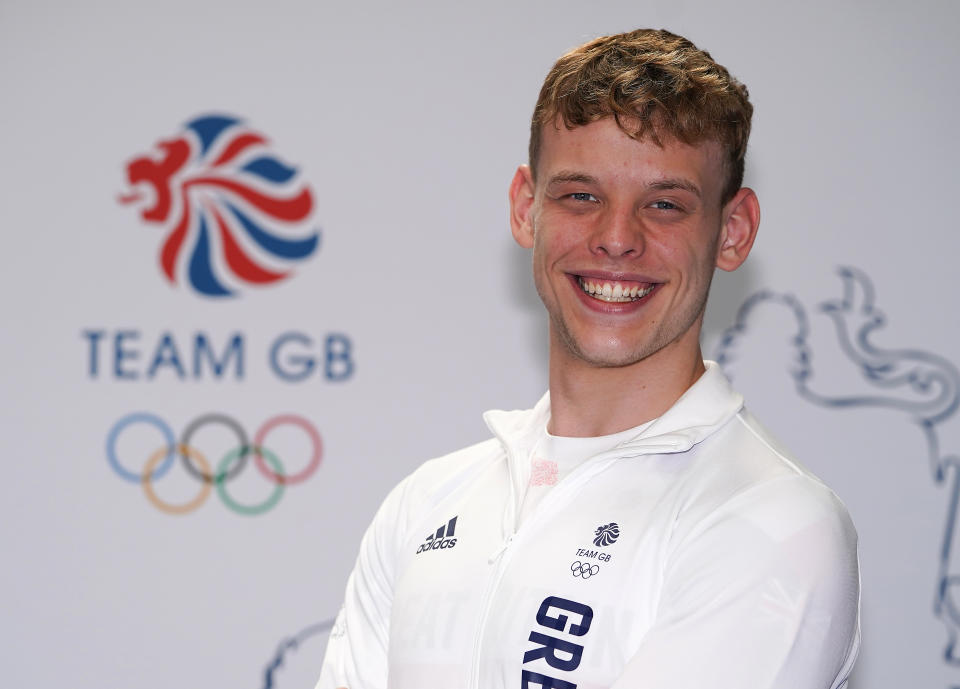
[[653, 83]]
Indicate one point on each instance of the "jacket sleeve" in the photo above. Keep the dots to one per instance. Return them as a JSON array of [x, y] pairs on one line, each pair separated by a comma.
[[763, 593], [356, 655]]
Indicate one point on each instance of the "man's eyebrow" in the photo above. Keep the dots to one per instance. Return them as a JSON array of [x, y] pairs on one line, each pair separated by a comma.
[[566, 176], [676, 183], [569, 176]]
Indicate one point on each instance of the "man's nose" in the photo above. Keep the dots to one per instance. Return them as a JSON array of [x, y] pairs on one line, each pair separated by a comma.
[[619, 232]]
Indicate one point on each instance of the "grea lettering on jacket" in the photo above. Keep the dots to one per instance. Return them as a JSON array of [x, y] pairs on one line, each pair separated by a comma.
[[560, 654]]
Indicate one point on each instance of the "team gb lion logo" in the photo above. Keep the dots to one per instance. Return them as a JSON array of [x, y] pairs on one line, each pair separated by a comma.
[[233, 212]]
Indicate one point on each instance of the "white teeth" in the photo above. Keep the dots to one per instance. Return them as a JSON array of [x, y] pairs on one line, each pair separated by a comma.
[[614, 292]]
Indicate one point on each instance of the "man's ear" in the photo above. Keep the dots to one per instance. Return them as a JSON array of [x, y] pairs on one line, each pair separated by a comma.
[[521, 206], [741, 218]]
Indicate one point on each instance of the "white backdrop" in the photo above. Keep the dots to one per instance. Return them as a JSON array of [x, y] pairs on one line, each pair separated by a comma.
[[406, 122]]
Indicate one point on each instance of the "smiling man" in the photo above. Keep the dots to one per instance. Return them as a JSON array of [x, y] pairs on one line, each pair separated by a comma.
[[637, 528]]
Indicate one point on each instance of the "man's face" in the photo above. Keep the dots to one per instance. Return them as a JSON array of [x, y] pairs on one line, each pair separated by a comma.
[[625, 238]]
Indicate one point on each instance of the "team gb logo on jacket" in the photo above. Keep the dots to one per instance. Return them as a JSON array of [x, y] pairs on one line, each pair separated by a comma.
[[233, 213]]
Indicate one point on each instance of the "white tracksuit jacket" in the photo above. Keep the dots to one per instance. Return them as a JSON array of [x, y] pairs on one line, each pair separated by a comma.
[[697, 555]]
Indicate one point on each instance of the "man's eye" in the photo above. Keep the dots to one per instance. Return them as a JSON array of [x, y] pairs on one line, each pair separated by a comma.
[[664, 205], [582, 196]]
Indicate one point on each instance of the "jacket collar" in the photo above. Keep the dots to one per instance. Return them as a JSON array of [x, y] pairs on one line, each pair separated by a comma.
[[708, 404]]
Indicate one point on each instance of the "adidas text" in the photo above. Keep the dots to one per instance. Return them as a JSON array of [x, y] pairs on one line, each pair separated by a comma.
[[443, 538]]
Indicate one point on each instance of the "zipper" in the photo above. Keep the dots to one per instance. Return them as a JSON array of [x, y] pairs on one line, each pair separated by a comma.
[[498, 559], [491, 588], [499, 551], [501, 557]]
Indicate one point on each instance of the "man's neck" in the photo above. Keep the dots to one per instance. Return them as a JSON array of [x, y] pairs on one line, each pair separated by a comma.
[[590, 401]]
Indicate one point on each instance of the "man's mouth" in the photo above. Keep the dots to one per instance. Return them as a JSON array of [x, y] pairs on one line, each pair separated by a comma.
[[613, 290]]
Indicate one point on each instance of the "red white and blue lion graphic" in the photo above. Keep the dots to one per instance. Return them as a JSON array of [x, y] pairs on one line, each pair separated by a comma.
[[235, 214]]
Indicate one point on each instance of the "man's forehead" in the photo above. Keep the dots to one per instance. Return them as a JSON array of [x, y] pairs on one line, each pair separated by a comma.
[[602, 148], [655, 133]]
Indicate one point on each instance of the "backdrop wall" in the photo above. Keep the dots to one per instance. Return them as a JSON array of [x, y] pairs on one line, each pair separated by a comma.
[[341, 170]]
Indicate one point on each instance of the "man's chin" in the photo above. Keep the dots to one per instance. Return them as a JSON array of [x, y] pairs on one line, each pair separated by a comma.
[[619, 360], [604, 354]]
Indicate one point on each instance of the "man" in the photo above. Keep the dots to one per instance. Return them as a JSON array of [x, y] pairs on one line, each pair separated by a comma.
[[637, 528]]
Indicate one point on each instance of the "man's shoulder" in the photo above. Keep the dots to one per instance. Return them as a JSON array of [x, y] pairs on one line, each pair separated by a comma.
[[751, 476], [428, 488], [461, 462], [745, 450], [511, 428], [441, 476]]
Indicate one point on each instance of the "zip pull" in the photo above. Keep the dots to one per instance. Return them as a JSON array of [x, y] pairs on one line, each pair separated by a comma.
[[499, 551]]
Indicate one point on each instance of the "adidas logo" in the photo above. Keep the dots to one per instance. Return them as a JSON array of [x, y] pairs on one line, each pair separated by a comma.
[[443, 538]]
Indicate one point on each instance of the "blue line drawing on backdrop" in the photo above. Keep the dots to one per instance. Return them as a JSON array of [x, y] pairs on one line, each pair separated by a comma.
[[922, 385], [289, 646]]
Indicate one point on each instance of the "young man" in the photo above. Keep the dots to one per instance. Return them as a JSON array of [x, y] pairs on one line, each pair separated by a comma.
[[637, 527]]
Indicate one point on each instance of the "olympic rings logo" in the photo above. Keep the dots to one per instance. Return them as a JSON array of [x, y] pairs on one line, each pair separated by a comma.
[[584, 569], [228, 468]]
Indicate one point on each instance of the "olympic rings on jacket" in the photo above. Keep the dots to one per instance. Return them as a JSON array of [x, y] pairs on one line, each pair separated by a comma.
[[584, 569], [229, 467]]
